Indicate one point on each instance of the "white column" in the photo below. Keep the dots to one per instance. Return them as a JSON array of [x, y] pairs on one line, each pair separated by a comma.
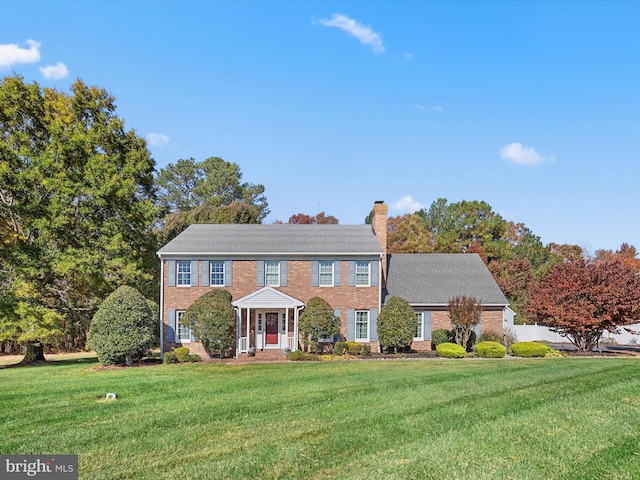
[[248, 331], [286, 327]]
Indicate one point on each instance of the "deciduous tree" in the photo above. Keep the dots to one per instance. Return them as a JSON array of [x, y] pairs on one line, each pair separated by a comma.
[[407, 234], [465, 314], [319, 219], [581, 298], [76, 200]]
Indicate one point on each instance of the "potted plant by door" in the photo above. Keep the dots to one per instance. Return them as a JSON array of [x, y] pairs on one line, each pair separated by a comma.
[[251, 352]]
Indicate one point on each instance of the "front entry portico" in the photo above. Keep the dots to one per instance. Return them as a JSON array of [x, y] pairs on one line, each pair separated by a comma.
[[267, 319]]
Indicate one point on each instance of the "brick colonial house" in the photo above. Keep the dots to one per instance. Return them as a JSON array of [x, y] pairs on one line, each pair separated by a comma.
[[271, 271]]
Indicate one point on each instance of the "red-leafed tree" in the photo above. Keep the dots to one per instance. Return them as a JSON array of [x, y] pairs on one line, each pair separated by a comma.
[[319, 219], [581, 299]]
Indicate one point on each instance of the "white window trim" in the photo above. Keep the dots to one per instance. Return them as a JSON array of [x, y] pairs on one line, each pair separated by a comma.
[[420, 338], [266, 274], [179, 314], [355, 326], [211, 263], [320, 273], [178, 284], [368, 274]]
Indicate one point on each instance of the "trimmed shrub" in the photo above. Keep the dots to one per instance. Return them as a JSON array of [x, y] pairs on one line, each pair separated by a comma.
[[366, 351], [340, 348], [170, 357], [397, 325], [123, 328], [555, 353], [439, 336], [490, 349], [450, 350], [301, 356], [193, 358], [212, 319], [181, 353], [354, 348], [529, 349], [318, 321]]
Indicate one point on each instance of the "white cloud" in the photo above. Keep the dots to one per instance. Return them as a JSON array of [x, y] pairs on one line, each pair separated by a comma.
[[520, 155], [157, 139], [355, 29], [11, 53], [407, 205], [56, 71]]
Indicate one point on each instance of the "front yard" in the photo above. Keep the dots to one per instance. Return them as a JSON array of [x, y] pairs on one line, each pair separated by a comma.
[[523, 419]]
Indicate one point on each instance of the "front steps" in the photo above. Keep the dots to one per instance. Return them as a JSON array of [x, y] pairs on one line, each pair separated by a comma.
[[261, 357]]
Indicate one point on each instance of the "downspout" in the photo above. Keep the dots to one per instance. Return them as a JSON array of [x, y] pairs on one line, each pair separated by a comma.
[[161, 307], [380, 270]]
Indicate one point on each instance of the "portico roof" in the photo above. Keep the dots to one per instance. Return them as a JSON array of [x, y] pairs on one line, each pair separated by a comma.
[[267, 297]]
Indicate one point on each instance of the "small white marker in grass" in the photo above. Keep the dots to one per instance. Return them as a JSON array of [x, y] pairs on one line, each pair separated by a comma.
[[111, 396]]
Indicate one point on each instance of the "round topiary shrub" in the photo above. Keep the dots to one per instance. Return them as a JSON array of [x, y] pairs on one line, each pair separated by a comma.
[[490, 349], [439, 336], [123, 328], [529, 349], [450, 350]]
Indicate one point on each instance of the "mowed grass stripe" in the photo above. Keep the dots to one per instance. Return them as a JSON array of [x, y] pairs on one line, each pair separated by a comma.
[[556, 418]]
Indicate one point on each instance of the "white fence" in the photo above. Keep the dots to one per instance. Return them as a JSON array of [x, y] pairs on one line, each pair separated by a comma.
[[630, 335]]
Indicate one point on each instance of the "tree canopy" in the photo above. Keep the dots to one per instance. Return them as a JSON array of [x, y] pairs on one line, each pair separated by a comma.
[[582, 298], [319, 219], [77, 202], [465, 313], [188, 184]]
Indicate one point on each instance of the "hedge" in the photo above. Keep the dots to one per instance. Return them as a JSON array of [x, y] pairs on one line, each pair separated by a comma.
[[489, 349], [529, 349], [450, 350]]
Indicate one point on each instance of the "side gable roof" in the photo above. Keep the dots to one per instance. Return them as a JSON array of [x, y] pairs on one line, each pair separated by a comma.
[[432, 279], [232, 239]]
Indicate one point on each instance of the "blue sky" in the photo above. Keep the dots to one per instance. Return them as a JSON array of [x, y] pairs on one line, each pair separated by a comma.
[[533, 107]]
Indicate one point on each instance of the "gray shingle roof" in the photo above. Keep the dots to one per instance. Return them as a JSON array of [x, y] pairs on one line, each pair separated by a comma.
[[274, 239], [432, 279]]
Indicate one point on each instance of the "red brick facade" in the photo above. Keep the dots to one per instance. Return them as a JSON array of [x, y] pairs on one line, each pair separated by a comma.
[[298, 286]]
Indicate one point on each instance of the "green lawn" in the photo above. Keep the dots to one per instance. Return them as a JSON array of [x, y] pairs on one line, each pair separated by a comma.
[[441, 419]]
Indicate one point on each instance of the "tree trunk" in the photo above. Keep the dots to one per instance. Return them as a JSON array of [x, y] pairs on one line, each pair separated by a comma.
[[34, 353]]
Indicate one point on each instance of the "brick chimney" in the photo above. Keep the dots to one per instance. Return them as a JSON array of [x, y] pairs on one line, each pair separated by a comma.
[[379, 226]]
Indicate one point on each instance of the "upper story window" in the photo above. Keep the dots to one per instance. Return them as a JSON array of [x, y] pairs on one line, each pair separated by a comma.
[[184, 273], [217, 273], [326, 274], [362, 274], [272, 274]]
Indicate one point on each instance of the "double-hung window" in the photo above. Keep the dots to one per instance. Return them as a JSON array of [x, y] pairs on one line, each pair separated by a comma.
[[217, 273], [272, 274], [362, 325], [184, 333], [420, 330], [184, 274], [362, 274], [326, 274]]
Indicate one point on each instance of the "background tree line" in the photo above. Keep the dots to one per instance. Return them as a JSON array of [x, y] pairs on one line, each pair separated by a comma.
[[83, 210]]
